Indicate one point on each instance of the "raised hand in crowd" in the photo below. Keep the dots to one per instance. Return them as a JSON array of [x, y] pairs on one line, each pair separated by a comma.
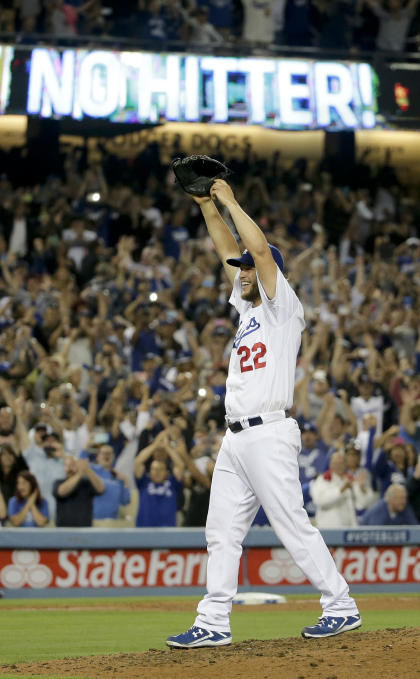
[[76, 470], [410, 410], [162, 448], [12, 424]]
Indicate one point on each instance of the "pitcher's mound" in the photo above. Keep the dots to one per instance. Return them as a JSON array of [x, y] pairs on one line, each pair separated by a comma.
[[384, 654]]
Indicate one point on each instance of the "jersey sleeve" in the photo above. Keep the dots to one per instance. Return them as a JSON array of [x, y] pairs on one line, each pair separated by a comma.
[[284, 304], [142, 482], [44, 509], [235, 298], [13, 507]]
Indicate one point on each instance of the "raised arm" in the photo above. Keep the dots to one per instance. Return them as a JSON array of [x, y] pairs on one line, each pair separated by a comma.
[[352, 426], [325, 419], [67, 487], [222, 237], [196, 474], [251, 235], [49, 417], [338, 363], [406, 417], [95, 480], [21, 430], [384, 440], [11, 285], [302, 394], [143, 456], [373, 356], [177, 458]]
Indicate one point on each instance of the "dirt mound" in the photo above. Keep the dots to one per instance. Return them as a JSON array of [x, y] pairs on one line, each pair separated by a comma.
[[385, 654]]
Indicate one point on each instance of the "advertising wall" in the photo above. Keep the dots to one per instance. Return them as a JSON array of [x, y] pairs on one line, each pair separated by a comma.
[[232, 141], [89, 568], [108, 561]]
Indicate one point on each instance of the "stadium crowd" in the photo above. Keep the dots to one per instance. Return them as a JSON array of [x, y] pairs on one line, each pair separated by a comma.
[[116, 330], [386, 25]]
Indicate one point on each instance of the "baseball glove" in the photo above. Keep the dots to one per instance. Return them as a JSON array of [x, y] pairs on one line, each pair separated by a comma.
[[196, 174]]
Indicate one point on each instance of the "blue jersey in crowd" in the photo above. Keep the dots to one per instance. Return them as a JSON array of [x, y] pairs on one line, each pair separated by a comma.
[[106, 505], [379, 515], [15, 506], [311, 464], [414, 438], [172, 237], [382, 468], [146, 344], [158, 501]]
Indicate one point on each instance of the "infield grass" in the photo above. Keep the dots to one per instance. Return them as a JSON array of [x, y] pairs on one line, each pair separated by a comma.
[[36, 630]]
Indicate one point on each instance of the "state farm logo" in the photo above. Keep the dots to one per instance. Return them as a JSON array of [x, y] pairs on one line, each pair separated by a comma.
[[149, 568], [280, 567], [25, 570], [357, 565]]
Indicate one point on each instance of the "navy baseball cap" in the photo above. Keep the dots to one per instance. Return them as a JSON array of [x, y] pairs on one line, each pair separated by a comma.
[[247, 260]]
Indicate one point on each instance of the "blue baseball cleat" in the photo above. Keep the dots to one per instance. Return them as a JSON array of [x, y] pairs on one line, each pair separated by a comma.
[[329, 626], [196, 637]]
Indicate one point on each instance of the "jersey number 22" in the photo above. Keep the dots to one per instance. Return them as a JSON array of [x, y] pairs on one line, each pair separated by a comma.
[[255, 361]]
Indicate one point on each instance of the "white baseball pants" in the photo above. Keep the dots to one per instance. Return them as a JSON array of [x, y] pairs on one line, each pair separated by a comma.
[[259, 466]]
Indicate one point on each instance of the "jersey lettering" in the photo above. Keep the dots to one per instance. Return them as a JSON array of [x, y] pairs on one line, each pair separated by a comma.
[[259, 350], [160, 488], [252, 326], [246, 354]]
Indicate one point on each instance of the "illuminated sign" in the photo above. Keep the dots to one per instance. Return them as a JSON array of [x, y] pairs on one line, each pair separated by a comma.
[[6, 55], [145, 87]]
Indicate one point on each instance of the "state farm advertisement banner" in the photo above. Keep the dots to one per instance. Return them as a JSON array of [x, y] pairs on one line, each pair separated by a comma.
[[64, 569], [359, 565], [102, 568]]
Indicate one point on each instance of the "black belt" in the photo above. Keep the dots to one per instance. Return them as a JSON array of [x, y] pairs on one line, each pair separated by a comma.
[[238, 426]]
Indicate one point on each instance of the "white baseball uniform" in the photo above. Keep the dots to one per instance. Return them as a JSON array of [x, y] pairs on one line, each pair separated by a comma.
[[258, 465]]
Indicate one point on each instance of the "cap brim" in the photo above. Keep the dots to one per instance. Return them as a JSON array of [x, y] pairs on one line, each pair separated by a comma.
[[244, 260]]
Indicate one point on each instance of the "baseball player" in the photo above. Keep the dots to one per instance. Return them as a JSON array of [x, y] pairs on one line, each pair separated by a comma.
[[257, 463]]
